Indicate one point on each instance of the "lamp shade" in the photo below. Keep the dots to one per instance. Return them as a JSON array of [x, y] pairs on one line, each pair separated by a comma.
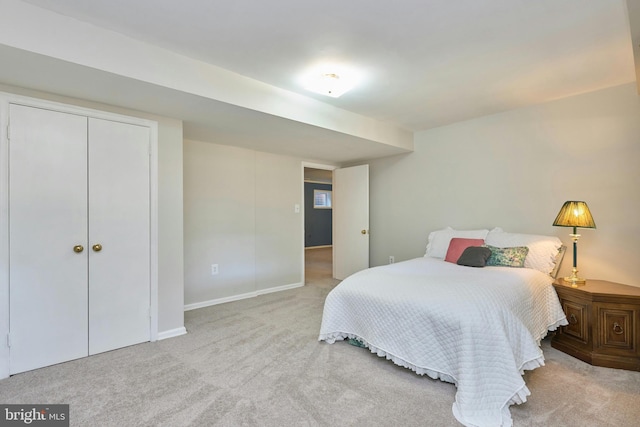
[[574, 214]]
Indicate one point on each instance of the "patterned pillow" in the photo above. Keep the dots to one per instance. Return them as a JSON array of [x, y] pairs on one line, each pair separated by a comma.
[[543, 250], [507, 257]]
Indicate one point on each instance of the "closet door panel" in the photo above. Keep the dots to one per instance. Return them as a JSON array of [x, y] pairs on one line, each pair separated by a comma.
[[47, 217], [119, 221]]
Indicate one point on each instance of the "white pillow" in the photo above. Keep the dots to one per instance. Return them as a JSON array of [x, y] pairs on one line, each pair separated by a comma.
[[439, 240], [543, 250]]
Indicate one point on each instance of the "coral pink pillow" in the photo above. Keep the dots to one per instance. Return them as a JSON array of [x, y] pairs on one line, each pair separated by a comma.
[[458, 245]]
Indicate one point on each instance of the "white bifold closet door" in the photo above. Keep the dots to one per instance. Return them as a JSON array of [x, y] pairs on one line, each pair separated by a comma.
[[48, 290], [76, 182], [119, 221]]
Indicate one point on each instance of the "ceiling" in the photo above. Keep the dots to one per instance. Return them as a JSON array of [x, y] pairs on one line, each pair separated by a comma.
[[424, 63], [318, 175]]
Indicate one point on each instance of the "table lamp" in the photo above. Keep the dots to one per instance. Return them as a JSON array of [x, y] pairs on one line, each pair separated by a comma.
[[574, 214]]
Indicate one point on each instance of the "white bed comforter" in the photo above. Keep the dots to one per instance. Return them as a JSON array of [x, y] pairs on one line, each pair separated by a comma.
[[478, 328]]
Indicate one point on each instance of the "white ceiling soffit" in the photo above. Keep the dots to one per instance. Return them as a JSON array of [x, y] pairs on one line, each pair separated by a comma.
[[204, 119], [53, 53], [425, 63]]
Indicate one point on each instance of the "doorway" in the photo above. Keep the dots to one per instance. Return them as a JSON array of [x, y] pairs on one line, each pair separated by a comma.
[[349, 199], [318, 224]]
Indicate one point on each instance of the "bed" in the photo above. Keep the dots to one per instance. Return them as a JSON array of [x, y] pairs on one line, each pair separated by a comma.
[[478, 328]]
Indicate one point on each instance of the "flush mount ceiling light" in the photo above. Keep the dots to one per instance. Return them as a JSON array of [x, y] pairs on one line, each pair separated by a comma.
[[329, 83]]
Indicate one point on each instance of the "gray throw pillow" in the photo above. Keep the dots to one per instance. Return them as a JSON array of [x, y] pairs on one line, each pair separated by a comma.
[[474, 256]]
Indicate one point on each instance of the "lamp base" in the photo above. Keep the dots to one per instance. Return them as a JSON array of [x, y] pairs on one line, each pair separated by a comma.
[[574, 279]]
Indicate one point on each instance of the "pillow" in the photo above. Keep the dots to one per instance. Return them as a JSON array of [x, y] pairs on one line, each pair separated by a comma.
[[474, 256], [507, 257], [457, 245], [439, 240], [543, 250]]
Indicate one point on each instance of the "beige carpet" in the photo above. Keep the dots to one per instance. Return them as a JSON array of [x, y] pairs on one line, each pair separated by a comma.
[[257, 362]]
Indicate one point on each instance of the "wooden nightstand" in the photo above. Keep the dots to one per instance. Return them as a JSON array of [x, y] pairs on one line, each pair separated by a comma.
[[604, 323]]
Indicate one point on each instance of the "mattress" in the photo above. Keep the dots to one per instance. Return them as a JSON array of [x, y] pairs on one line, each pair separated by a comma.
[[478, 328]]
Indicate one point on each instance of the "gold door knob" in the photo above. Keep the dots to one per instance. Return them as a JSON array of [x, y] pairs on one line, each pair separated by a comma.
[[363, 232], [78, 248], [97, 247]]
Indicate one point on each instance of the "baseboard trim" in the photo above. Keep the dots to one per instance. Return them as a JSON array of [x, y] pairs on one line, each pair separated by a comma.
[[279, 288], [171, 333], [239, 297]]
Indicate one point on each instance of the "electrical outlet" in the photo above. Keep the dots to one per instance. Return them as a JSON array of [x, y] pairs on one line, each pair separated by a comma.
[[392, 259], [214, 269]]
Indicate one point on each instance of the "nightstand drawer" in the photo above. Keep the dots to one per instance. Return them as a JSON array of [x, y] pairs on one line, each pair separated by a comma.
[[616, 328], [577, 316]]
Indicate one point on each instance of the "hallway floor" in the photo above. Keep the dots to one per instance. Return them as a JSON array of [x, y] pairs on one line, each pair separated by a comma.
[[319, 265]]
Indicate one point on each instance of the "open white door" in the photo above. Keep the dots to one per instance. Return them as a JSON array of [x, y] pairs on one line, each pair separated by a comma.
[[350, 220]]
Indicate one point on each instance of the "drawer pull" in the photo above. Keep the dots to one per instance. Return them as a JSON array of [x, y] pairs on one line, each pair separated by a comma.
[[617, 329], [572, 319]]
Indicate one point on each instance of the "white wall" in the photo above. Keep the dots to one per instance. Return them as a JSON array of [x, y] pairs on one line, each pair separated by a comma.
[[239, 214], [279, 234], [170, 227], [514, 170]]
